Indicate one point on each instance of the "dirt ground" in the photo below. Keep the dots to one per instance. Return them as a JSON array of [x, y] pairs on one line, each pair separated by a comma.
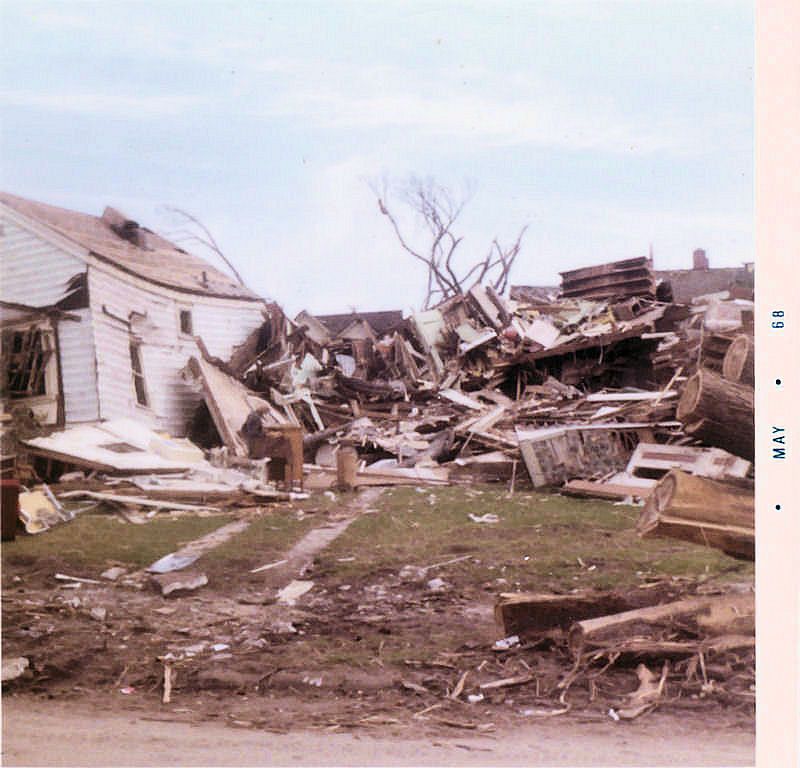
[[343, 677], [87, 733]]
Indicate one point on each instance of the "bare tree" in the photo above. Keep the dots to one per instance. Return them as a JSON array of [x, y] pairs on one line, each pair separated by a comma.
[[194, 230], [439, 210]]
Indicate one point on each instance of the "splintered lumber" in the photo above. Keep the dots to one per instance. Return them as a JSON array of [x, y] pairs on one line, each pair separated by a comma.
[[719, 412], [229, 402], [739, 362], [696, 617], [701, 511]]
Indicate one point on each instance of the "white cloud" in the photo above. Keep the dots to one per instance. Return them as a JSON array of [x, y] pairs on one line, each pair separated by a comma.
[[103, 103], [492, 121]]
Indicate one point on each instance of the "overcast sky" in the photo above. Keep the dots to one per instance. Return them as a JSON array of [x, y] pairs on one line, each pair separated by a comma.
[[605, 126]]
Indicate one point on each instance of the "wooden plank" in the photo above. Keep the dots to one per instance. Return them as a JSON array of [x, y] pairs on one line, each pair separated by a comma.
[[713, 463], [612, 491], [229, 402], [459, 398], [611, 397], [638, 262]]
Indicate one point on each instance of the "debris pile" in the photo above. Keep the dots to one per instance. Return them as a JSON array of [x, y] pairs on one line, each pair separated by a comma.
[[567, 386], [601, 391], [703, 644]]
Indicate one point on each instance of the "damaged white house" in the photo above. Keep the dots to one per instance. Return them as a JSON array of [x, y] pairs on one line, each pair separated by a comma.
[[100, 315]]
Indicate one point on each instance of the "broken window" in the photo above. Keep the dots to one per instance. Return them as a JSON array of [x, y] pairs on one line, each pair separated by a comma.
[[186, 321], [138, 373], [25, 354]]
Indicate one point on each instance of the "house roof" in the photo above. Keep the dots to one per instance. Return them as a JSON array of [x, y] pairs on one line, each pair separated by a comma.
[[688, 283], [380, 322], [152, 257]]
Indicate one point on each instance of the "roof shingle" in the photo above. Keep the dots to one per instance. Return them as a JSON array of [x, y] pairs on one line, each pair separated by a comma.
[[159, 261]]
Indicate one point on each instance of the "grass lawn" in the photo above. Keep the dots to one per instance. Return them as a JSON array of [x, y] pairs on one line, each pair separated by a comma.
[[542, 542], [91, 541]]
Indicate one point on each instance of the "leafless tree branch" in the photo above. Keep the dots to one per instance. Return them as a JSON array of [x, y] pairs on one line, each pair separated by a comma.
[[206, 238], [439, 211]]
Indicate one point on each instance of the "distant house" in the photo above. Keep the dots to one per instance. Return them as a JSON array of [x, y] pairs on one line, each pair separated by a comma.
[[99, 316], [378, 322], [686, 284]]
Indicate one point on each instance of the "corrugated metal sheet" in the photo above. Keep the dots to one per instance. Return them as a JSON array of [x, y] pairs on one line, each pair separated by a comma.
[[32, 271], [78, 369]]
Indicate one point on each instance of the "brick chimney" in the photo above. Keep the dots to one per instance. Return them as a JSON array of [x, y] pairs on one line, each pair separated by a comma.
[[700, 260]]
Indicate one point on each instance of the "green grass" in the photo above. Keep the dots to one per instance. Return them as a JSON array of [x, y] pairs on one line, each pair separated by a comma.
[[266, 540], [93, 540], [542, 542]]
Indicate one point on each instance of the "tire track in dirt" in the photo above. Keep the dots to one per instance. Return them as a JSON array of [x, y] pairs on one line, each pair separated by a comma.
[[300, 556]]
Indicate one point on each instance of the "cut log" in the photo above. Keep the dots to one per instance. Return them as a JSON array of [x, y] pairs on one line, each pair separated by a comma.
[[736, 542], [701, 511], [713, 349], [719, 412], [697, 617], [530, 613], [739, 362], [689, 497]]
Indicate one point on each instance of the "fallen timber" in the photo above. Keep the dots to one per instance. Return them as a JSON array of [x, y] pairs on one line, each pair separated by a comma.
[[702, 511], [635, 631]]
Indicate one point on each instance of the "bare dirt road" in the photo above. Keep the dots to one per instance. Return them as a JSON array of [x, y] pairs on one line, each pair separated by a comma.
[[37, 732]]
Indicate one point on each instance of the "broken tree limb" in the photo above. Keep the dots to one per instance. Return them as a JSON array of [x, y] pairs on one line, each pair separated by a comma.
[[702, 511], [739, 361], [729, 614], [719, 412], [505, 682]]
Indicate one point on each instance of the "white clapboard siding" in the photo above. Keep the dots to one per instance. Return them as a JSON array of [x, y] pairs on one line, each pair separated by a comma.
[[33, 271], [222, 323], [78, 369], [223, 328]]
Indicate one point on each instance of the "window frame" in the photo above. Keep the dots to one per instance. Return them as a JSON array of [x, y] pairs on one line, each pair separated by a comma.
[[138, 379]]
